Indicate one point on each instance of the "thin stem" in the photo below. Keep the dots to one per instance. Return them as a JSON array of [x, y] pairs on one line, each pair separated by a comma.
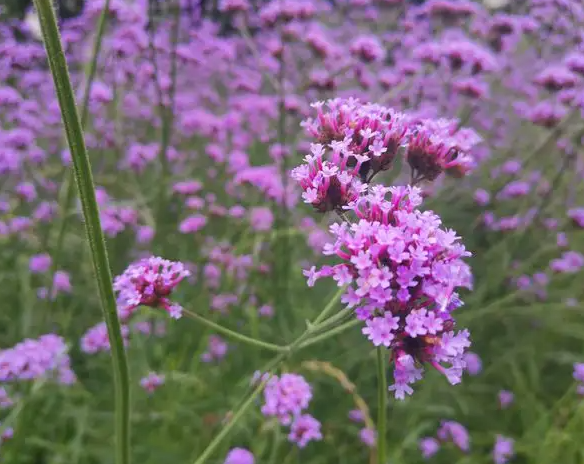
[[381, 405], [330, 333], [234, 335], [85, 186], [68, 184], [234, 420]]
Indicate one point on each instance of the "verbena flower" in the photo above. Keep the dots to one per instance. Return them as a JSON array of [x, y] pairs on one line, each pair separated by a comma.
[[216, 349], [239, 456], [505, 398], [31, 359], [451, 431], [368, 437], [503, 450], [429, 447], [285, 397], [96, 339], [149, 282], [402, 270], [304, 429]]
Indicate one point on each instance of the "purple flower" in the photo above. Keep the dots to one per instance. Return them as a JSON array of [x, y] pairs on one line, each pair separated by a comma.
[[368, 436], [35, 359], [429, 447], [239, 456], [285, 397], [356, 415], [192, 224], [482, 197], [261, 218], [39, 263], [569, 263], [503, 450], [456, 433], [151, 382], [403, 272], [216, 349], [149, 282], [505, 398], [96, 339], [474, 365], [304, 429], [367, 48], [577, 216]]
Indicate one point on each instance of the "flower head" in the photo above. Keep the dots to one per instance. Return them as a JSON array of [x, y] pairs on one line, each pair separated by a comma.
[[239, 456], [285, 397], [402, 270], [304, 429], [149, 282]]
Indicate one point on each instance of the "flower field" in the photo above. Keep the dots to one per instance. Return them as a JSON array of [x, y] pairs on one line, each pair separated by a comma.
[[292, 231]]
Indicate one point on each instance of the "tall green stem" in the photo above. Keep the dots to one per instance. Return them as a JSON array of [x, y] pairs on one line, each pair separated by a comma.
[[381, 405], [85, 186], [68, 196]]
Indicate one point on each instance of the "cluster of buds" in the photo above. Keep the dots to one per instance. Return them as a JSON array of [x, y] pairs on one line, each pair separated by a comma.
[[355, 142]]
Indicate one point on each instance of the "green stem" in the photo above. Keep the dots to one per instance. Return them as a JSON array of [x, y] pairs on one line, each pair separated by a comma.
[[234, 420], [275, 444], [234, 335], [330, 333], [85, 186], [382, 405], [69, 182]]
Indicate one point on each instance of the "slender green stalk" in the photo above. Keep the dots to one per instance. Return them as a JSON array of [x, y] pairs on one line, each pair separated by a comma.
[[85, 186], [382, 406], [330, 333], [234, 420], [234, 335], [68, 185]]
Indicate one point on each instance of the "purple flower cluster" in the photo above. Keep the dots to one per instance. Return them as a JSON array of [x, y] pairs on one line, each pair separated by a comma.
[[286, 397], [402, 270], [31, 359], [149, 282], [357, 141]]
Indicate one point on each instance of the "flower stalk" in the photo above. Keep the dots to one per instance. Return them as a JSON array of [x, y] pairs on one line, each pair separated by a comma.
[[85, 186]]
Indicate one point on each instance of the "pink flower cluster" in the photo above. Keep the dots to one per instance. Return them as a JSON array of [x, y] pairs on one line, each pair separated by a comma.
[[149, 282], [357, 141], [31, 359], [402, 270], [285, 398]]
